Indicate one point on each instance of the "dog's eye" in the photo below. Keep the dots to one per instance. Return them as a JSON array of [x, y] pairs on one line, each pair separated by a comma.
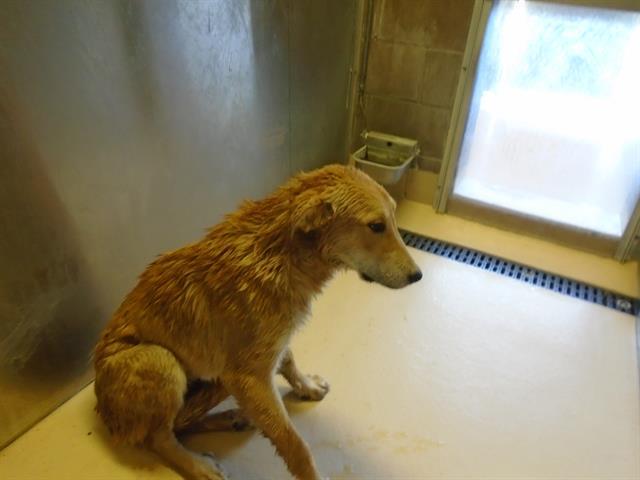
[[377, 227]]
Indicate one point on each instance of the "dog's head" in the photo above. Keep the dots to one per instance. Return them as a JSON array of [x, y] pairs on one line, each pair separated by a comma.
[[352, 219]]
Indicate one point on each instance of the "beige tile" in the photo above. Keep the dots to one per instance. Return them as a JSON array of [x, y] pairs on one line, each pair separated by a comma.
[[433, 128], [392, 116], [440, 79], [397, 190], [421, 186], [395, 69], [440, 24], [429, 164], [429, 125], [547, 256], [401, 20], [465, 375]]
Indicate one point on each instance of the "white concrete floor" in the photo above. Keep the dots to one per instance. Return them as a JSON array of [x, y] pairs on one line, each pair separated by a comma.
[[465, 375]]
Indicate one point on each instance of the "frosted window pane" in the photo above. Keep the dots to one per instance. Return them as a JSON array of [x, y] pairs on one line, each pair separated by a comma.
[[554, 122]]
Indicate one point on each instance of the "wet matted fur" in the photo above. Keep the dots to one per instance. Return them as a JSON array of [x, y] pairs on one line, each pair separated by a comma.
[[214, 318]]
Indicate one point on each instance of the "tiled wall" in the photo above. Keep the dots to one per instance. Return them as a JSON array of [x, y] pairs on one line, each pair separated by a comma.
[[415, 57]]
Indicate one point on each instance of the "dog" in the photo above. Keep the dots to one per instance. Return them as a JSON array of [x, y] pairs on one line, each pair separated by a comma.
[[214, 318]]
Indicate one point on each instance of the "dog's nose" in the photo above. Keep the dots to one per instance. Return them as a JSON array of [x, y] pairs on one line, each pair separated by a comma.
[[415, 277]]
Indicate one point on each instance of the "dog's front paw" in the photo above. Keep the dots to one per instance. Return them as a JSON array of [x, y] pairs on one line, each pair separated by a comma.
[[311, 387]]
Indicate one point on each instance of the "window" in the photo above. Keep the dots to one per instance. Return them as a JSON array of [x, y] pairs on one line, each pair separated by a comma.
[[553, 130]]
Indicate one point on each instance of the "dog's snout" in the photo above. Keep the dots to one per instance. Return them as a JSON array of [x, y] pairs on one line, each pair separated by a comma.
[[415, 277]]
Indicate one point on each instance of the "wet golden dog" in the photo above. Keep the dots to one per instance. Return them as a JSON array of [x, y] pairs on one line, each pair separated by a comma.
[[215, 318]]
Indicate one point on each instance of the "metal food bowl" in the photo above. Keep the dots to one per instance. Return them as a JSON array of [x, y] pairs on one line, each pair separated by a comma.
[[385, 157]]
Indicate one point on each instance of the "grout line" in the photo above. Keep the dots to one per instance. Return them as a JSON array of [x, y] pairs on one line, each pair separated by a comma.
[[404, 43], [532, 276], [407, 100]]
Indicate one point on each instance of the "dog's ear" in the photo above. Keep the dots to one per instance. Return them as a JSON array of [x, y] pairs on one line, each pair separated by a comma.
[[313, 216]]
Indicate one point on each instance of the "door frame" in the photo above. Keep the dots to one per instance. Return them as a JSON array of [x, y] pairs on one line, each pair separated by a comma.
[[461, 104]]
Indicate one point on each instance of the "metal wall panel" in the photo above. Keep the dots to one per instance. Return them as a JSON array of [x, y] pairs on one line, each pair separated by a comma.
[[320, 81], [126, 128]]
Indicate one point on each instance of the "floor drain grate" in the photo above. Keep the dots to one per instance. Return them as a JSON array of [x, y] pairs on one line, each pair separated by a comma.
[[546, 280]]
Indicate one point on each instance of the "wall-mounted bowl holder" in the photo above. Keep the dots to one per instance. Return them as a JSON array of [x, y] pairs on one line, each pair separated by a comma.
[[385, 157]]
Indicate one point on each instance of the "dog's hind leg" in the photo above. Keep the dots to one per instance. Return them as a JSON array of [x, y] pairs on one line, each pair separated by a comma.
[[259, 399], [140, 391], [194, 417], [192, 465], [226, 421], [307, 387]]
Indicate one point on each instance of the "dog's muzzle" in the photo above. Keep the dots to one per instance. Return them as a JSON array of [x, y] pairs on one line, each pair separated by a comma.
[[411, 278]]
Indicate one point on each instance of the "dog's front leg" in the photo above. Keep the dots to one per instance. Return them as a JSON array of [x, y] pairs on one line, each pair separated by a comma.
[[259, 400], [307, 387]]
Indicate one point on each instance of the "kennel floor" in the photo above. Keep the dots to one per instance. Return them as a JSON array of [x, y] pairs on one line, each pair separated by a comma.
[[607, 273], [464, 375]]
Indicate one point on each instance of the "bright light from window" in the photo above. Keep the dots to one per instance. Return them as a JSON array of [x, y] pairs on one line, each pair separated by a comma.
[[554, 124]]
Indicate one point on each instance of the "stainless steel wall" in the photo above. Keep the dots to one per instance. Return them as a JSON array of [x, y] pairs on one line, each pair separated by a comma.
[[126, 128]]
